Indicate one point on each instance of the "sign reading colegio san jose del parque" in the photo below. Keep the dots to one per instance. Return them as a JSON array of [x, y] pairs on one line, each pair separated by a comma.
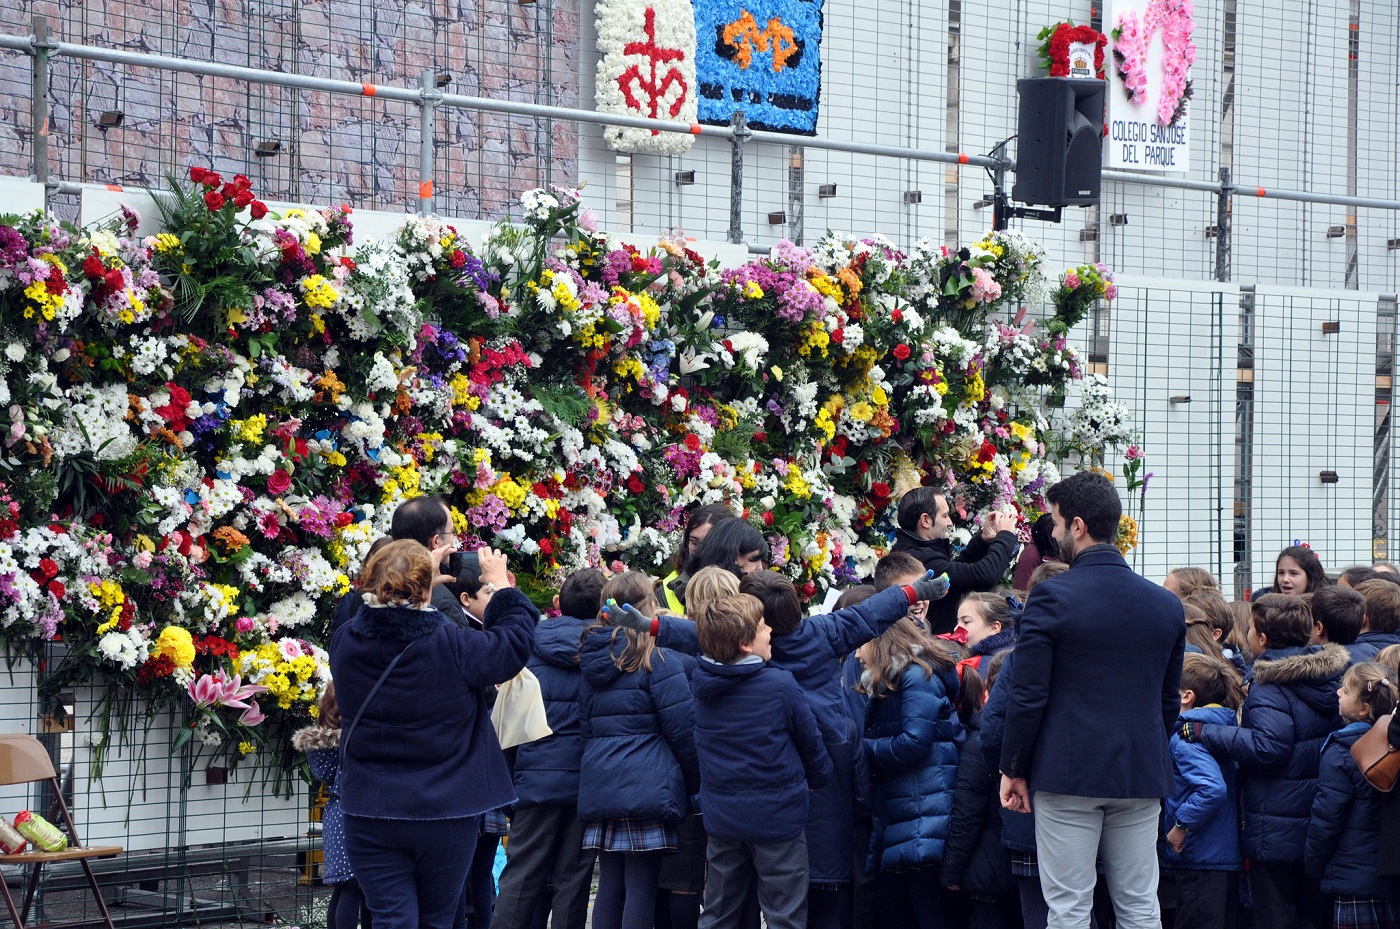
[[1152, 50]]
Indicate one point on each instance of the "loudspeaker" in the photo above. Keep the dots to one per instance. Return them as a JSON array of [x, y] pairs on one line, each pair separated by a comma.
[[1058, 150]]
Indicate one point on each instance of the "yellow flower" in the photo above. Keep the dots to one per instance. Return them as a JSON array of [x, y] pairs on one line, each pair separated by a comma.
[[176, 644], [629, 368], [250, 429], [877, 393], [511, 494], [318, 292], [335, 459], [313, 243], [246, 748], [167, 242], [753, 291], [861, 411], [976, 389], [777, 373], [797, 484], [828, 287], [1127, 534]]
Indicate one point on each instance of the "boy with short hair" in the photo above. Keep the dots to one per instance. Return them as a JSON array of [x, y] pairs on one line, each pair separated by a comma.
[[897, 569], [760, 752], [1201, 848], [1381, 625], [1338, 613]]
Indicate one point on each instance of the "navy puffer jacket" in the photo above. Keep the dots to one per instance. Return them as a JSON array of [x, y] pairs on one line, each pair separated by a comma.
[[1369, 644], [638, 735], [912, 738], [1290, 710], [974, 858], [546, 771], [1344, 840]]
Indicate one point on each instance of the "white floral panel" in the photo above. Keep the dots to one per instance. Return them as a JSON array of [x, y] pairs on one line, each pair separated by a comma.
[[646, 67]]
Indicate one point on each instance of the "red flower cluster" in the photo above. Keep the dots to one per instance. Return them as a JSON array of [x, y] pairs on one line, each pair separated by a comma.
[[216, 646], [1056, 50], [103, 277], [238, 191], [176, 412]]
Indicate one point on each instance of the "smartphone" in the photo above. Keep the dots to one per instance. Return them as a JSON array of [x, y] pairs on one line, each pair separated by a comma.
[[463, 563]]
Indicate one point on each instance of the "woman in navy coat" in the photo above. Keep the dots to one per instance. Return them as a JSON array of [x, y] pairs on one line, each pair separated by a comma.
[[912, 741], [420, 760]]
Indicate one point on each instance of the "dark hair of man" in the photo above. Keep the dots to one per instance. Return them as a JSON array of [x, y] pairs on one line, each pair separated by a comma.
[[1340, 611], [781, 608], [729, 539], [580, 597], [420, 519], [916, 503], [1283, 620], [894, 566], [1091, 497], [1382, 605]]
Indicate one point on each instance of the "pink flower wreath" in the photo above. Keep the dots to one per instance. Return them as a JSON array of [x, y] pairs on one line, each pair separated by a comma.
[[1131, 38]]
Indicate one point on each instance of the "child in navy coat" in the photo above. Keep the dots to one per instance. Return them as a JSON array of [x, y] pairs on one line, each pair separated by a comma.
[[1201, 846], [638, 771], [1344, 844], [760, 753]]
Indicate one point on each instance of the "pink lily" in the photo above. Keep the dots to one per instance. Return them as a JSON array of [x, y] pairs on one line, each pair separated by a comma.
[[219, 689], [253, 715]]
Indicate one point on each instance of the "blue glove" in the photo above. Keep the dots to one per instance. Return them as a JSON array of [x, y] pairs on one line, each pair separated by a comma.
[[627, 616]]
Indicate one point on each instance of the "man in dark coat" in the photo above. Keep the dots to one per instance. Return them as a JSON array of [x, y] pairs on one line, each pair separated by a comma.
[[428, 521], [1094, 692], [924, 523]]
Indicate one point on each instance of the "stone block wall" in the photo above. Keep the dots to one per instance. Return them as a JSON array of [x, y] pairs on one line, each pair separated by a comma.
[[335, 149]]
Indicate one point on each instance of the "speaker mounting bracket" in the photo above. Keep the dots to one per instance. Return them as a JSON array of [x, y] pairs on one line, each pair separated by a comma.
[[1002, 210]]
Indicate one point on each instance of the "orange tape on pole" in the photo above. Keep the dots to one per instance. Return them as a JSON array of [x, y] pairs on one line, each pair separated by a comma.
[[962, 159], [694, 128], [368, 90], [115, 188], [425, 190], [1260, 192]]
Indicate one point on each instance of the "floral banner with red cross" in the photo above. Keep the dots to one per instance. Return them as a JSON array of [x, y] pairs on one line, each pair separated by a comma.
[[646, 67]]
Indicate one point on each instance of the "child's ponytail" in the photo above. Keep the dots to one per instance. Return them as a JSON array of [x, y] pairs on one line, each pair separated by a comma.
[[1377, 686]]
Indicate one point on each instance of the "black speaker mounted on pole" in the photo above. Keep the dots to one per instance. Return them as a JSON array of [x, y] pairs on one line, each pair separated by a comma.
[[1059, 141]]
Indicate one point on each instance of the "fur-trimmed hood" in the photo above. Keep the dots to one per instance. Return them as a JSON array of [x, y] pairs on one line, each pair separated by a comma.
[[1310, 672], [314, 738], [1301, 665], [397, 623]]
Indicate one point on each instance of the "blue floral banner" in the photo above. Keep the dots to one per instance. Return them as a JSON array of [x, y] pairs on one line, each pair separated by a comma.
[[761, 57]]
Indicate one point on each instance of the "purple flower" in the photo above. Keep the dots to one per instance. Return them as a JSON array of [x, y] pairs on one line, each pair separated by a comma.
[[13, 248]]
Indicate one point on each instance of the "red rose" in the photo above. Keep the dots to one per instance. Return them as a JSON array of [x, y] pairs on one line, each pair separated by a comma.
[[901, 351], [57, 589], [862, 466], [347, 263], [113, 280], [897, 316], [880, 490], [546, 547], [257, 209], [214, 200], [692, 442], [240, 180], [635, 484], [93, 267], [48, 568], [767, 517], [760, 437], [197, 175], [279, 482], [241, 197], [838, 336], [343, 519]]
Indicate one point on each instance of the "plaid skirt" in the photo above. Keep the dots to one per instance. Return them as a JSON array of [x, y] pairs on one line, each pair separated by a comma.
[[1366, 913], [631, 835], [495, 822], [1024, 864]]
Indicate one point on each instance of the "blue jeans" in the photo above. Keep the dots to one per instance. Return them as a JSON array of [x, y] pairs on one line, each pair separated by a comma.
[[411, 871]]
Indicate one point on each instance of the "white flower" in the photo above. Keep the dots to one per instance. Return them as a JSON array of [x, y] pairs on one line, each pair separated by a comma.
[[15, 351], [620, 22]]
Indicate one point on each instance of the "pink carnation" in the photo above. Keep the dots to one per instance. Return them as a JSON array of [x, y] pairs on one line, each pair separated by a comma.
[[985, 289]]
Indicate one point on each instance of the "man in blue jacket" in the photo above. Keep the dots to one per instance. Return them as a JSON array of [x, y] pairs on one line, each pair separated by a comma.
[[1093, 696]]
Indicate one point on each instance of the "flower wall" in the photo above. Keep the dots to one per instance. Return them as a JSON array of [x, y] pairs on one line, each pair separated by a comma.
[[205, 429]]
